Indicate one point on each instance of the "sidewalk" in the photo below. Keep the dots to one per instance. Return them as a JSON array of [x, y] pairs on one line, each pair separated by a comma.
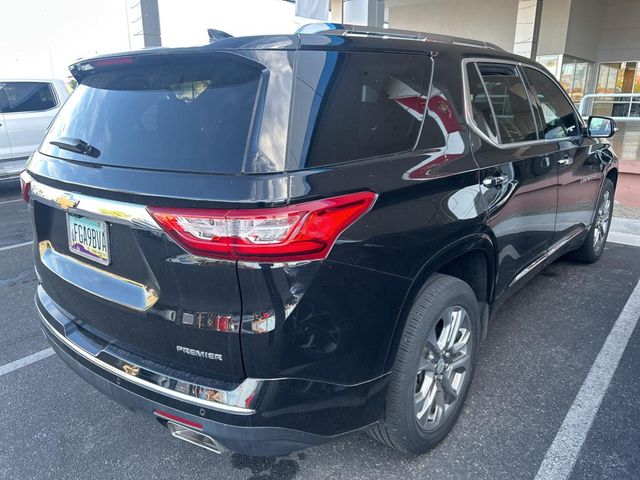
[[625, 230]]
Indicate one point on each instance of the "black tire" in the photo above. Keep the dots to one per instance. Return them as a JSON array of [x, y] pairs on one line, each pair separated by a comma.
[[591, 250], [399, 427]]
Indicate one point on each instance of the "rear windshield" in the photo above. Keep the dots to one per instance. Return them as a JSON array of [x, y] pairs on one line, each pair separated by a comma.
[[163, 112]]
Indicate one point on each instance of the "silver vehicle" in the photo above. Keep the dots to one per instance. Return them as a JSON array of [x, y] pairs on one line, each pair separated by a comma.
[[27, 108]]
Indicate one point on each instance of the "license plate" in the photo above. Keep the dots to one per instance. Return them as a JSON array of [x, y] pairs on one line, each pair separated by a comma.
[[89, 238]]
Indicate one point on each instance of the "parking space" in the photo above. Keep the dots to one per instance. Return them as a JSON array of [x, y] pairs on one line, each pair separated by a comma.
[[540, 349]]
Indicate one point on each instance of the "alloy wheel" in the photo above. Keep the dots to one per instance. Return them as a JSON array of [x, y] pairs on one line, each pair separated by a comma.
[[603, 216], [443, 367]]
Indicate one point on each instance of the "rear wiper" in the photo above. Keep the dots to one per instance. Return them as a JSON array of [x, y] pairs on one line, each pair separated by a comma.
[[76, 145]]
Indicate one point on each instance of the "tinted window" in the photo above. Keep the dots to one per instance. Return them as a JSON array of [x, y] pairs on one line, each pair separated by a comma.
[[508, 97], [166, 112], [558, 116], [480, 106], [352, 106], [18, 97]]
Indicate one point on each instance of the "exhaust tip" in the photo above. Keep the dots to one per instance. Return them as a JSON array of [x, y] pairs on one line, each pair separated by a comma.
[[194, 437]]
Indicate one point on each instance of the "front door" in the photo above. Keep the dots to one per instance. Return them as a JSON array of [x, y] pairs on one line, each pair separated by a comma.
[[576, 156], [519, 180]]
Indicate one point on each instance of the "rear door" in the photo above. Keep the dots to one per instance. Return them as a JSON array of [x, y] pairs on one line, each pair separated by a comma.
[[518, 178], [575, 157], [30, 109]]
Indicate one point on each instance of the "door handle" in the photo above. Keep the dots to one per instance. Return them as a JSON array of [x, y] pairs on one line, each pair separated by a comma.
[[495, 181], [566, 160]]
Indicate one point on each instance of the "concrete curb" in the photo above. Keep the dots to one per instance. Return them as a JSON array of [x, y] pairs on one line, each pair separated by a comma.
[[625, 231]]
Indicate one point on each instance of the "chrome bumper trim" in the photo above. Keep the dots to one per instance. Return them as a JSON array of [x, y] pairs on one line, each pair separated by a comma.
[[113, 288], [227, 401], [113, 211]]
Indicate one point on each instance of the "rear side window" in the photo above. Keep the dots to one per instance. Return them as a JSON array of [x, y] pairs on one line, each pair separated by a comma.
[[17, 97], [185, 112], [559, 118], [481, 108], [508, 101], [350, 106]]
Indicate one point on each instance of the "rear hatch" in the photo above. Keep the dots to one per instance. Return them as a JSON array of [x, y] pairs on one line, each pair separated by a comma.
[[178, 129]]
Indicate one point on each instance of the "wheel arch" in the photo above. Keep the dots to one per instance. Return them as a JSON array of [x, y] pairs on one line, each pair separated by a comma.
[[477, 249]]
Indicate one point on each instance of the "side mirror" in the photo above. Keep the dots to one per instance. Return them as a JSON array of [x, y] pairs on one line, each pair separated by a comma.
[[601, 127]]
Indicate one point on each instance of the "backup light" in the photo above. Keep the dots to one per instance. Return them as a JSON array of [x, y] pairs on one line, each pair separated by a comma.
[[304, 231]]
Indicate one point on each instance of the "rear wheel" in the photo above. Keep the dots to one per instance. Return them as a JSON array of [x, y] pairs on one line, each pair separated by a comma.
[[433, 367], [593, 245]]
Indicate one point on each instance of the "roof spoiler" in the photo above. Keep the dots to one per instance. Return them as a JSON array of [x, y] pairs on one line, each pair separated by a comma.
[[215, 35], [324, 28]]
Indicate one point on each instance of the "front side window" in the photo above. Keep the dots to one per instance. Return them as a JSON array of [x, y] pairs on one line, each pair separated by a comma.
[[559, 119], [20, 97], [509, 102]]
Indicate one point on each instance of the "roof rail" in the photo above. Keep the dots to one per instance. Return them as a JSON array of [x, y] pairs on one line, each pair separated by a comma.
[[361, 30]]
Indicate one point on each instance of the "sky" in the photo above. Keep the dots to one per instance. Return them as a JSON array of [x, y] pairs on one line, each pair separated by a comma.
[[41, 38]]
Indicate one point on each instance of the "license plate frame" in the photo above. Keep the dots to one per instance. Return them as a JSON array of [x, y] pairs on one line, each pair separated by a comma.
[[89, 238]]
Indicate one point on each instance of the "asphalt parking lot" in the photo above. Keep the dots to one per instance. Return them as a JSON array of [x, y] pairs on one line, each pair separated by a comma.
[[538, 357]]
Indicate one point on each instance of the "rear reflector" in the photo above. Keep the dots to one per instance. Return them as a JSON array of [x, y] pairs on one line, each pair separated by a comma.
[[300, 232], [176, 418], [25, 186]]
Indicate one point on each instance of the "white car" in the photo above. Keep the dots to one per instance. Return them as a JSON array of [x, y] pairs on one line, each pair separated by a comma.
[[27, 107]]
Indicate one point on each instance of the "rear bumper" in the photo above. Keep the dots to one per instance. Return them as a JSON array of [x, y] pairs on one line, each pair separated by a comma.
[[277, 417]]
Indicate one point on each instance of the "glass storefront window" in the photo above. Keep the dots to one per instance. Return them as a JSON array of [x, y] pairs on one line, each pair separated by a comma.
[[614, 78], [566, 79], [551, 63], [579, 81], [573, 77]]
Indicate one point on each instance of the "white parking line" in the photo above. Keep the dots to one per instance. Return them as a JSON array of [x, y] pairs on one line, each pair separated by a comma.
[[11, 201], [23, 362], [563, 452], [624, 238], [10, 247]]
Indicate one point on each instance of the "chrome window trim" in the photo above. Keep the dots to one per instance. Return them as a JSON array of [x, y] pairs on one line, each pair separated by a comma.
[[468, 108], [130, 214], [233, 398]]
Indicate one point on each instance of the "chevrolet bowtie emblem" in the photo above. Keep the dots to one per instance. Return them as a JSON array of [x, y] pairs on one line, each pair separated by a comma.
[[66, 202]]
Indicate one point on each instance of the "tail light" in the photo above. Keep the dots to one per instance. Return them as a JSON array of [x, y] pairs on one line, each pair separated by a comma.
[[25, 186], [304, 231]]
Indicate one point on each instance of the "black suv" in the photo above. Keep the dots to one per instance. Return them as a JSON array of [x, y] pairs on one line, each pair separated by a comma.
[[269, 242]]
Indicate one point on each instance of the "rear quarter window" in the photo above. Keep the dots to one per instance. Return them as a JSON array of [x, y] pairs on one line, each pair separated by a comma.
[[350, 106]]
